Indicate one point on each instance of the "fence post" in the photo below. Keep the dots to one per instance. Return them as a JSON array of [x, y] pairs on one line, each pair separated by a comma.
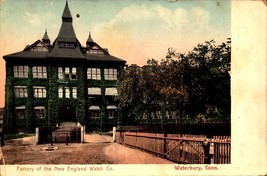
[[114, 134], [2, 138], [36, 136], [206, 147], [165, 146], [82, 134], [51, 132]]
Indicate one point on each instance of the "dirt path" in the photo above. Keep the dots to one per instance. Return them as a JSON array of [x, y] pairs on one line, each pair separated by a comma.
[[97, 149]]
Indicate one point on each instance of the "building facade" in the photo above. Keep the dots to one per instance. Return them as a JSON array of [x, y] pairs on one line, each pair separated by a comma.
[[49, 84]]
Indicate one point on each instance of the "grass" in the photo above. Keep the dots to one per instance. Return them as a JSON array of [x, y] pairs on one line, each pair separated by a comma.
[[15, 136]]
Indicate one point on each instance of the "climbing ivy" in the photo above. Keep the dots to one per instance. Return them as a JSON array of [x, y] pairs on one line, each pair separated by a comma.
[[52, 103]]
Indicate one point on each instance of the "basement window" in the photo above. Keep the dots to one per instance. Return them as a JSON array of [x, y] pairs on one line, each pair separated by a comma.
[[20, 111], [94, 111], [112, 111], [39, 112]]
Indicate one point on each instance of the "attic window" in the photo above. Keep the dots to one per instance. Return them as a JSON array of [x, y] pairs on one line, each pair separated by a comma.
[[39, 47], [94, 51], [66, 45]]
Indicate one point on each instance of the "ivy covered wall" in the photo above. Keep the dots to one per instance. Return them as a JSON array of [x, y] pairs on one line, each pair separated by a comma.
[[52, 103]]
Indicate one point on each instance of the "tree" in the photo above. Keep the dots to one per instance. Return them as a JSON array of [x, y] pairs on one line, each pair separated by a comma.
[[195, 85]]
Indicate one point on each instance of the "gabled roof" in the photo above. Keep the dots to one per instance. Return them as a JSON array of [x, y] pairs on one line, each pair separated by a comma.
[[27, 53], [38, 42]]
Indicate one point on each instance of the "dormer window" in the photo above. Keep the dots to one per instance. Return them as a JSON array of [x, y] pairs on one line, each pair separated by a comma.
[[39, 47], [94, 51], [67, 45]]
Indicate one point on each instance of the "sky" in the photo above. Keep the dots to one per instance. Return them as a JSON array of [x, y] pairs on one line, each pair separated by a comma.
[[131, 30]]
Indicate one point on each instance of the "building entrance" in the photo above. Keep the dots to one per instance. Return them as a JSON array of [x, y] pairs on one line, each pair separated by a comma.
[[67, 114]]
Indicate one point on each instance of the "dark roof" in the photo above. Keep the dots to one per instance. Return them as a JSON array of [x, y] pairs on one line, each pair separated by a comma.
[[90, 40], [66, 33], [45, 37], [102, 57], [66, 16], [58, 52], [27, 55]]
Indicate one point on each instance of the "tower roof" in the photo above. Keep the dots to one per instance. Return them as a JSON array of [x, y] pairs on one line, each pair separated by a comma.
[[66, 16], [66, 44], [45, 38], [89, 40], [66, 32]]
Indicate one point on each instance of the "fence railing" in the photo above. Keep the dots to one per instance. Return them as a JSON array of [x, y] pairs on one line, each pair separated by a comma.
[[59, 135], [183, 149]]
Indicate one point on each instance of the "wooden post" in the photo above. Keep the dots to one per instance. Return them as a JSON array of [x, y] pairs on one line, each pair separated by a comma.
[[114, 134], [206, 147], [165, 145], [82, 134], [2, 138], [37, 136]]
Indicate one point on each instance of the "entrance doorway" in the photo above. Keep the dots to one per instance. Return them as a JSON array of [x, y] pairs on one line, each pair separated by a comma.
[[67, 114]]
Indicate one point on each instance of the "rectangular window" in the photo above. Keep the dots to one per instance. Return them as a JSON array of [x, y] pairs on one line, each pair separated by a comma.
[[39, 92], [20, 91], [60, 73], [20, 111], [21, 71], [111, 113], [93, 73], [110, 74], [94, 111], [60, 92], [39, 72], [72, 45], [61, 45], [74, 92], [67, 72], [94, 91], [158, 114], [67, 92], [112, 109], [73, 73], [39, 112], [111, 91]]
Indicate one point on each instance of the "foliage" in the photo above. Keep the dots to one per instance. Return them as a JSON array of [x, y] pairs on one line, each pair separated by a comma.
[[195, 85], [15, 136]]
